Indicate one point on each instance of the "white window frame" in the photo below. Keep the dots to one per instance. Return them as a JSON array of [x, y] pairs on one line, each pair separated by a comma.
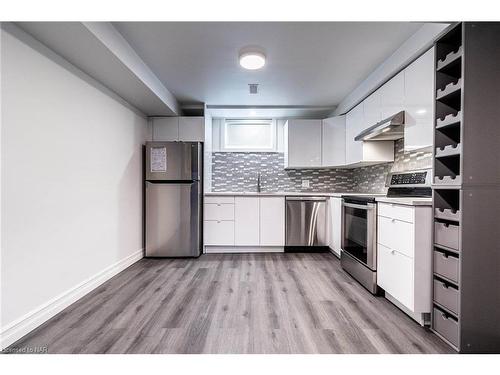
[[274, 135]]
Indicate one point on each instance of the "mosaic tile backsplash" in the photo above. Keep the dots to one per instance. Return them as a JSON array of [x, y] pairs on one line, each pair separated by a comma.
[[237, 171]]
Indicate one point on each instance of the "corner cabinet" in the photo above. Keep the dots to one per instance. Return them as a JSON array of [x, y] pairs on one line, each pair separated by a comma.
[[302, 144], [183, 129], [335, 224], [333, 142], [354, 124]]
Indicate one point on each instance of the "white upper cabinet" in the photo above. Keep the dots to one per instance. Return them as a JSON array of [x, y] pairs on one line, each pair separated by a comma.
[[165, 129], [372, 109], [360, 153], [333, 142], [354, 125], [192, 129], [185, 129], [419, 102], [302, 143], [392, 96]]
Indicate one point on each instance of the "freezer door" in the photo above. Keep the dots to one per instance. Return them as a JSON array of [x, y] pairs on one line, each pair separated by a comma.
[[173, 220], [173, 161]]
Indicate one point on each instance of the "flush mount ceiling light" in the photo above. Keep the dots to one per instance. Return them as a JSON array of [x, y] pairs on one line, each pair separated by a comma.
[[252, 58]]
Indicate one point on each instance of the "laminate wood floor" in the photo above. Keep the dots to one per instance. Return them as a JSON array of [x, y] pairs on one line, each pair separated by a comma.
[[233, 303]]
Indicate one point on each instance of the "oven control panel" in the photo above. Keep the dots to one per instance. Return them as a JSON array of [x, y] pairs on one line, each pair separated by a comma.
[[408, 178], [413, 178]]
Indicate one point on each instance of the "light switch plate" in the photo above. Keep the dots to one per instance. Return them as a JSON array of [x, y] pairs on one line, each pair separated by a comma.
[[305, 183]]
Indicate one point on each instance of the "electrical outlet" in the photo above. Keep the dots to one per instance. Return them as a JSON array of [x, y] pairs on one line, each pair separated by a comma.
[[305, 183]]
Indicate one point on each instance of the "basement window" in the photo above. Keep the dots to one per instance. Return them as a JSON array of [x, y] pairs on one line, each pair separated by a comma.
[[249, 135]]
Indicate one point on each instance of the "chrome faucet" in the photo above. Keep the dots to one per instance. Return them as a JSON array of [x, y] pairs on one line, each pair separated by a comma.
[[258, 182]]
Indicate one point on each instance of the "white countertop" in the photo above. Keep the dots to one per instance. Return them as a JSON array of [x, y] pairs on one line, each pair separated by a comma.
[[379, 197], [408, 201], [284, 193]]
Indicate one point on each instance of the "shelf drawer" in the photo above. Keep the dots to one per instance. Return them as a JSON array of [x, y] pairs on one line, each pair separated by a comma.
[[218, 233], [446, 295], [446, 265], [396, 235], [447, 214], [445, 325], [446, 235], [218, 211], [219, 199], [397, 212], [395, 275]]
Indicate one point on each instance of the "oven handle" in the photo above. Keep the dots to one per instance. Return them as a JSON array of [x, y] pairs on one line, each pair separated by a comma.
[[367, 207]]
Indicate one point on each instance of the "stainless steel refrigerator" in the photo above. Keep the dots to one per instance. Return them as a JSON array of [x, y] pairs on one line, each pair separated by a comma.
[[173, 217]]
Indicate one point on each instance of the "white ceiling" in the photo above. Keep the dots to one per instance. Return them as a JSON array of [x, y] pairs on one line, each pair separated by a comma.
[[309, 64]]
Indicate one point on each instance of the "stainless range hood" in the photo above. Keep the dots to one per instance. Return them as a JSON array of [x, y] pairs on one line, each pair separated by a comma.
[[390, 129]]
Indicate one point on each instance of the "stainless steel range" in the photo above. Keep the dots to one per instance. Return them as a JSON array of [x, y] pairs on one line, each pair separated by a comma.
[[359, 224]]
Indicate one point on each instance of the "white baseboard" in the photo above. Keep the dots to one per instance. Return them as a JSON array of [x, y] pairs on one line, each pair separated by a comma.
[[20, 327], [243, 249]]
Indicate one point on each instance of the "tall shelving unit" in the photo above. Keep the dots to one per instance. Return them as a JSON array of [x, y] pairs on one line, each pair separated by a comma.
[[466, 188]]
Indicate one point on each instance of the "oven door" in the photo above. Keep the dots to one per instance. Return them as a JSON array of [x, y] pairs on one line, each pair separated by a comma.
[[359, 232]]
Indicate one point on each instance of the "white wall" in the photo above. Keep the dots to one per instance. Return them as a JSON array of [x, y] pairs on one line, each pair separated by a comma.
[[71, 171]]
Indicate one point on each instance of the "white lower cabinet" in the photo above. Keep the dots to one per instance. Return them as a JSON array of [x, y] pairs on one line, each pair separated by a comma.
[[397, 235], [395, 274], [219, 211], [218, 232], [272, 221], [242, 223], [404, 256], [335, 224], [246, 221]]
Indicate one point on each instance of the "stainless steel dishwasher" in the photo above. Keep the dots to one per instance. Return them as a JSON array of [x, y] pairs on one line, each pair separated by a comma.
[[306, 223]]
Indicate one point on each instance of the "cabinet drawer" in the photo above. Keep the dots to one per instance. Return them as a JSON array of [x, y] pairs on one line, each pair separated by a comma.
[[398, 212], [446, 295], [218, 233], [445, 326], [395, 275], [396, 235], [446, 235], [219, 199], [446, 265], [218, 211]]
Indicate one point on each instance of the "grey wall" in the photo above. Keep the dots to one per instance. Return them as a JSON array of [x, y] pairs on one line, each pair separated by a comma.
[[237, 171]]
